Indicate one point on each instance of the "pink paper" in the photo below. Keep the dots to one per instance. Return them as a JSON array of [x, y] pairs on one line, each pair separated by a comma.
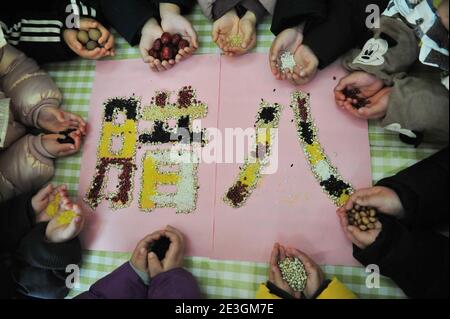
[[121, 230], [288, 206]]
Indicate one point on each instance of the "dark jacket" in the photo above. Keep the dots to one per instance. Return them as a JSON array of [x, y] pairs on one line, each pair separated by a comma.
[[124, 283], [411, 251], [332, 27], [128, 17], [30, 265], [36, 27]]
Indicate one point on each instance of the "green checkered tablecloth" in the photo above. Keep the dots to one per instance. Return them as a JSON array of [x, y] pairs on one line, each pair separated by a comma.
[[218, 279]]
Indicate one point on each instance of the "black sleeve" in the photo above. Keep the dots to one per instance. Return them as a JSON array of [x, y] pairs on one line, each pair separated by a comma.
[[128, 17], [16, 219], [416, 260], [39, 268], [423, 190], [292, 13], [80, 8], [332, 38], [185, 5], [37, 28], [344, 29]]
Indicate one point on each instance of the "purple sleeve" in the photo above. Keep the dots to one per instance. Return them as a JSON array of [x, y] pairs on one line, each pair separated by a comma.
[[175, 284], [123, 283]]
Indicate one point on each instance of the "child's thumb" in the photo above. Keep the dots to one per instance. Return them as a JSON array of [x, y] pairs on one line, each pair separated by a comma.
[[154, 265], [59, 115], [370, 201], [247, 38], [275, 50]]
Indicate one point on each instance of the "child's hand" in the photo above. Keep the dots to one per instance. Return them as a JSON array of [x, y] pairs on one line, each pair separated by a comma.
[[174, 256], [361, 239], [384, 199], [375, 110], [315, 274], [51, 144], [225, 28], [139, 258], [66, 225], [173, 22], [307, 66], [368, 84], [106, 40], [55, 120], [42, 199], [275, 277], [247, 32], [289, 40], [443, 13], [150, 33]]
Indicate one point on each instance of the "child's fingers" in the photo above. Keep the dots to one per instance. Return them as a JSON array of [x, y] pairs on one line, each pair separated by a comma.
[[172, 231], [371, 112], [158, 66], [44, 192], [147, 240], [109, 45], [77, 140], [274, 256], [216, 32], [343, 221], [77, 47], [282, 252], [341, 210], [247, 39], [275, 50], [65, 149], [222, 43], [92, 55], [192, 34], [86, 24], [275, 71], [189, 51], [154, 265], [346, 229], [306, 70], [105, 34], [176, 245], [62, 190], [371, 199], [166, 65], [73, 229], [76, 118], [143, 49], [351, 109], [276, 275], [58, 114], [364, 238], [182, 53], [344, 83], [153, 67], [352, 234], [297, 80], [310, 265], [338, 93]]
